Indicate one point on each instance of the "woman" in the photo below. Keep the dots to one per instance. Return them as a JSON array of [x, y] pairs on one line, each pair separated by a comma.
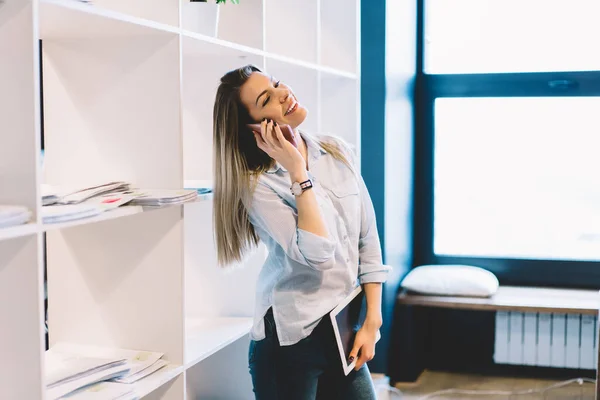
[[305, 201]]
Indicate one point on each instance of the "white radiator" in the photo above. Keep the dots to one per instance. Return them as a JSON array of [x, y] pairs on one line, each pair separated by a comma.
[[546, 340]]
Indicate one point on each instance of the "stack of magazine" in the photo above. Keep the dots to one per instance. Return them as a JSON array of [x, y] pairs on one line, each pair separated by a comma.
[[77, 371], [81, 195], [13, 215], [61, 205], [50, 195], [160, 198]]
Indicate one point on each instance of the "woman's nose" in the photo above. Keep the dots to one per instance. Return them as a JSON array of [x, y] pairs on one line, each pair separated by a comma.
[[285, 94]]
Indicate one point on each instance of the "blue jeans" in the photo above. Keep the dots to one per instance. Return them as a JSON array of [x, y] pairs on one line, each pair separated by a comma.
[[307, 370]]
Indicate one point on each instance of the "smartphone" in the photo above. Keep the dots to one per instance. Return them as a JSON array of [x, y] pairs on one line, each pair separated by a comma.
[[288, 132]]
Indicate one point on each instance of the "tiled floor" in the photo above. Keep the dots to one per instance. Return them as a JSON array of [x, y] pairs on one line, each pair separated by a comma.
[[431, 382]]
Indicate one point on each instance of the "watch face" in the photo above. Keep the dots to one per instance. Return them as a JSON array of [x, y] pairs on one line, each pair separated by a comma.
[[296, 189]]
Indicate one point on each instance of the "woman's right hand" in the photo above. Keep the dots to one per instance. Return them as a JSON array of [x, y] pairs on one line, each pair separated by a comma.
[[270, 139]]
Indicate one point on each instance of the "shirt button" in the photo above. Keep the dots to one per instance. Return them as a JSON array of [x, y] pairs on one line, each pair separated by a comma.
[[347, 260]]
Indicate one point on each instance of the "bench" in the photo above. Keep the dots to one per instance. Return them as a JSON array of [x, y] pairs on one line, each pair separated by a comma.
[[523, 299]]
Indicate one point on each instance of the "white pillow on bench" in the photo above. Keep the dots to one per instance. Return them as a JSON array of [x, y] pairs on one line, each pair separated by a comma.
[[451, 280]]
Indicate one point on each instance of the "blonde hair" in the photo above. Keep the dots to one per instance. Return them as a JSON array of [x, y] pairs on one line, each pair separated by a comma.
[[237, 163]]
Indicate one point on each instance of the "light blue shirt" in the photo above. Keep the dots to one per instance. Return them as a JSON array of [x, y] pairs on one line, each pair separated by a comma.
[[305, 276]]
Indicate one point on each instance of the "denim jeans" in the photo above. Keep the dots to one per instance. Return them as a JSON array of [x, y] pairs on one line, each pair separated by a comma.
[[307, 370]]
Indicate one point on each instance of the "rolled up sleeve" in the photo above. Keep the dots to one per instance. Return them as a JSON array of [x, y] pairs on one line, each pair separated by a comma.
[[276, 220], [370, 263]]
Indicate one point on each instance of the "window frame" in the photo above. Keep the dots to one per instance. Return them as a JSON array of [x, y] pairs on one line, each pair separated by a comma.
[[428, 87]]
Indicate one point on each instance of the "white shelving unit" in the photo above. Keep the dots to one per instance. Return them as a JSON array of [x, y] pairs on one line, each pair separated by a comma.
[[128, 91]]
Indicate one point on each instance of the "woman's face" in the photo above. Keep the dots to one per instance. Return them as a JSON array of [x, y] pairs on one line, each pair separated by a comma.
[[265, 97]]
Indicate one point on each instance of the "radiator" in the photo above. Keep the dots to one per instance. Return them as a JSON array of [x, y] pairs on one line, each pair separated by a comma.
[[546, 340]]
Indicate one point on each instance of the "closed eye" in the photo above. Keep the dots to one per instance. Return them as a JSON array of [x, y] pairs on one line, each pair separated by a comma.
[[275, 85]]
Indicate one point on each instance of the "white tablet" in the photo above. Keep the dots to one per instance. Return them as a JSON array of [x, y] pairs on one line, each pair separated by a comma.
[[347, 318]]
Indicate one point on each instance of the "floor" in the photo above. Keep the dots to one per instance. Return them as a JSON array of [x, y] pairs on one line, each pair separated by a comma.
[[431, 381]]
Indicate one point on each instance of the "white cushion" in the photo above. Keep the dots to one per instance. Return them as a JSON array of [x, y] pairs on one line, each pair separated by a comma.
[[451, 280]]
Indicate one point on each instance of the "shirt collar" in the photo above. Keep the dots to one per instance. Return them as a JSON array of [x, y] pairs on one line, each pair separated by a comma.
[[314, 150]]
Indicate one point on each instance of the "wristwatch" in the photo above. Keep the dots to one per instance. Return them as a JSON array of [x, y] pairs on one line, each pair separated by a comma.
[[299, 188]]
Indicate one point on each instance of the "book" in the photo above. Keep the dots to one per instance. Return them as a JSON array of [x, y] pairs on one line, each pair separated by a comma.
[[63, 213], [50, 194], [66, 388], [13, 215], [67, 370], [347, 318], [89, 208], [112, 200], [163, 197], [80, 195], [134, 377], [103, 391], [139, 363]]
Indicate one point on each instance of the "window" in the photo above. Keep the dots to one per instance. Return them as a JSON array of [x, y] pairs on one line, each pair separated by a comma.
[[531, 188], [508, 138], [468, 36]]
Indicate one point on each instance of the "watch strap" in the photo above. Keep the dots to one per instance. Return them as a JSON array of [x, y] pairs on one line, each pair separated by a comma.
[[307, 184]]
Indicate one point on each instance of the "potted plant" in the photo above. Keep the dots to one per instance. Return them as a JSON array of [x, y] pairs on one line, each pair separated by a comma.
[[202, 16]]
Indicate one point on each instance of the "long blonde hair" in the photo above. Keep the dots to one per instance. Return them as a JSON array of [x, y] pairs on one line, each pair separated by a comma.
[[237, 163]]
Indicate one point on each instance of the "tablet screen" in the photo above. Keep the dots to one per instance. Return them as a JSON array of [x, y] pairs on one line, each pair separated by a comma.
[[349, 320]]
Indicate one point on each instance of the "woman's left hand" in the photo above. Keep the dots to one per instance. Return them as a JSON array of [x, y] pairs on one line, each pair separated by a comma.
[[364, 343]]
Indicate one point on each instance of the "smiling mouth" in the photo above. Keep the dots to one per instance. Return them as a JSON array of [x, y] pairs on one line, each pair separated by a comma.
[[293, 107]]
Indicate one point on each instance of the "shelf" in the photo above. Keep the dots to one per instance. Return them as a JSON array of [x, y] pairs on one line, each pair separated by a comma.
[[18, 231], [213, 377], [62, 19], [121, 212], [154, 381], [235, 23], [196, 44], [310, 65], [208, 45], [206, 336], [515, 298], [67, 19]]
